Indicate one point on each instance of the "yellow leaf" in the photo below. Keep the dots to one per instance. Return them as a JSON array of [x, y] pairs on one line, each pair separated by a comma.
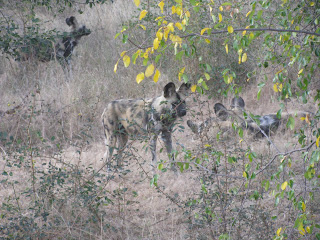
[[143, 27], [207, 76], [279, 231], [156, 76], [221, 8], [126, 60], [230, 78], [170, 27], [178, 11], [178, 25], [244, 57], [244, 32], [187, 14], [193, 88], [300, 71], [277, 87], [244, 174], [159, 35], [143, 14], [207, 145], [220, 17], [181, 72], [149, 70], [284, 185], [176, 39], [308, 229], [227, 50], [292, 21], [135, 56], [248, 14], [140, 77], [137, 2], [303, 205], [230, 29], [207, 41], [308, 119], [241, 140], [123, 53], [317, 142], [279, 71], [203, 30], [161, 4], [240, 59], [173, 9], [302, 232], [311, 4], [116, 66], [156, 43]]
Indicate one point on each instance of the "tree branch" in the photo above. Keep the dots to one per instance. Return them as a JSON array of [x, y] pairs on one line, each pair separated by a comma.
[[286, 153]]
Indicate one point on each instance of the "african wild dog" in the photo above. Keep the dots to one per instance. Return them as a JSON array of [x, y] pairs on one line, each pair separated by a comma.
[[261, 126], [45, 50], [223, 116], [136, 118]]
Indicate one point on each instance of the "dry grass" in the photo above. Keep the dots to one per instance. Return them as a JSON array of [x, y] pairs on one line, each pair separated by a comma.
[[57, 181]]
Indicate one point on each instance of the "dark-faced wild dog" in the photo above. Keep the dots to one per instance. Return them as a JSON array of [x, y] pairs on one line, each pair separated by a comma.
[[260, 126], [136, 118], [45, 50]]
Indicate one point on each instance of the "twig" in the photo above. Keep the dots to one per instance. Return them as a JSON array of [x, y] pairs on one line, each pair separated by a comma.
[[284, 154]]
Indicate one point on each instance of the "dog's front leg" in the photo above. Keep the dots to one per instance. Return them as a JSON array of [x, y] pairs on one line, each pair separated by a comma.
[[166, 138], [153, 147]]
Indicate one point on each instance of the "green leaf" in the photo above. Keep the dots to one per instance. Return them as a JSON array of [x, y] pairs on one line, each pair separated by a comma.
[[290, 123], [157, 58], [193, 2], [117, 35], [204, 85], [124, 38], [279, 114], [265, 64], [179, 55]]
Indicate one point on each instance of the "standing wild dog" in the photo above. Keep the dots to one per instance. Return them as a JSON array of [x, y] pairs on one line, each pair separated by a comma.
[[135, 118], [45, 50], [260, 126]]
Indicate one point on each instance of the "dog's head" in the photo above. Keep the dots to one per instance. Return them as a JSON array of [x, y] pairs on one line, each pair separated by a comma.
[[77, 31], [176, 98]]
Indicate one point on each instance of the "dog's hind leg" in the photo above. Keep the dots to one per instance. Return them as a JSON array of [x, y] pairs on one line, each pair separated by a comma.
[[122, 142], [110, 143]]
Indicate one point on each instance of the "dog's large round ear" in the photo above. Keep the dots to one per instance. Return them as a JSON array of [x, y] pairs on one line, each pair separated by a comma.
[[237, 102], [169, 90], [72, 22], [221, 112], [184, 88]]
